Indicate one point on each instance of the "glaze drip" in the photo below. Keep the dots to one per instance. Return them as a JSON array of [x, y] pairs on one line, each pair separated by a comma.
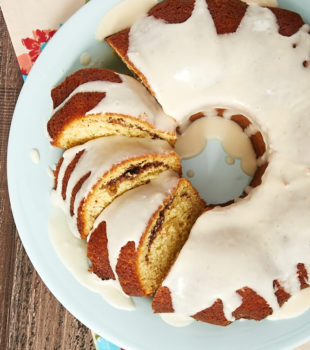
[[137, 206], [266, 234], [113, 150], [128, 98]]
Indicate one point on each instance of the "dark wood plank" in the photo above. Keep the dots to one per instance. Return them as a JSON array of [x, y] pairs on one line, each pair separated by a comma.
[[30, 316]]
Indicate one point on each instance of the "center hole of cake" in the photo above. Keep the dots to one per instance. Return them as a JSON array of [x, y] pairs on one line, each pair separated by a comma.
[[222, 152]]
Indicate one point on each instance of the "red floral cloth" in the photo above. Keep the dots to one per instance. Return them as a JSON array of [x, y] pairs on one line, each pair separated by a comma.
[[34, 46]]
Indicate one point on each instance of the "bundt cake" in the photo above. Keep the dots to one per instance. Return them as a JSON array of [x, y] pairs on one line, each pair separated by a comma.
[[136, 238], [244, 259], [94, 102], [214, 67], [88, 177], [235, 57]]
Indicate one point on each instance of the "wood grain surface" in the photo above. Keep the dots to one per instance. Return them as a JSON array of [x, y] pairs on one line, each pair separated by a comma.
[[30, 316]]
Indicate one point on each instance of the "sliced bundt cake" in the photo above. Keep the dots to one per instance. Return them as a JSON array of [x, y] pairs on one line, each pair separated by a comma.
[[88, 177], [95, 102], [137, 237]]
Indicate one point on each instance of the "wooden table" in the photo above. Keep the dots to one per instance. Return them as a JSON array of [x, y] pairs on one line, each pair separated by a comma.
[[30, 316]]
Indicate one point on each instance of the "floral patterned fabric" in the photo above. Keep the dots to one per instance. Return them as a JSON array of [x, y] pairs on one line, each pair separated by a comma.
[[34, 46], [31, 25]]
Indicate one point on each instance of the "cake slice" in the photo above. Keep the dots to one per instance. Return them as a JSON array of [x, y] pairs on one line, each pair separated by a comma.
[[88, 177], [137, 237], [95, 102]]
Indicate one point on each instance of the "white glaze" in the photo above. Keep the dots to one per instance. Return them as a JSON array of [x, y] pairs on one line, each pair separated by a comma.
[[264, 236], [34, 155], [234, 141], [72, 251], [127, 216], [270, 3], [265, 240], [85, 59], [138, 206], [230, 160], [176, 320], [231, 77], [50, 172], [127, 98], [190, 173], [99, 157], [295, 306], [122, 16]]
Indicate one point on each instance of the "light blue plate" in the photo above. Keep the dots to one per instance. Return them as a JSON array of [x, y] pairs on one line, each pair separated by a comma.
[[29, 187]]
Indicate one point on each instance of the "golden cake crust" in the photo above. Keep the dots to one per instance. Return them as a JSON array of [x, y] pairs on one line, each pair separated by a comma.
[[77, 106], [226, 15], [64, 89], [253, 306], [127, 271], [71, 124], [129, 267], [97, 252], [131, 172], [257, 141]]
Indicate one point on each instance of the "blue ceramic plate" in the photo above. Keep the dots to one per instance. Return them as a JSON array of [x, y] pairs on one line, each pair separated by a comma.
[[30, 185]]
